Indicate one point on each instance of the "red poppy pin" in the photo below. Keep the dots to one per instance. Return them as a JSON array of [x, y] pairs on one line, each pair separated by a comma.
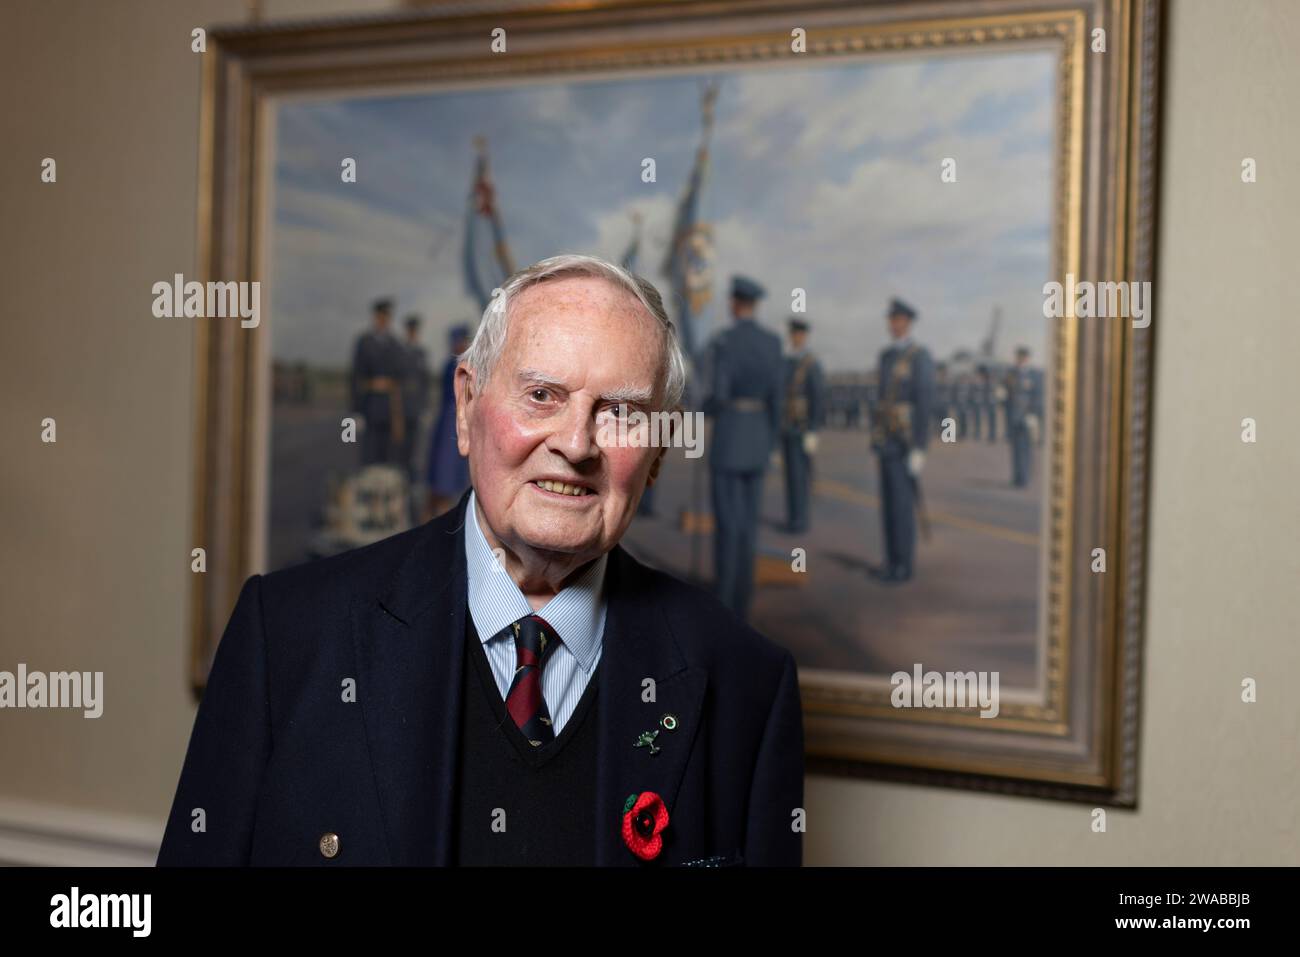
[[644, 818]]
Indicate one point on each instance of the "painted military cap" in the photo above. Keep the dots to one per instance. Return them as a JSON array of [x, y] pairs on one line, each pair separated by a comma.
[[899, 308], [412, 321], [742, 287], [1022, 350], [798, 325], [457, 332], [384, 304]]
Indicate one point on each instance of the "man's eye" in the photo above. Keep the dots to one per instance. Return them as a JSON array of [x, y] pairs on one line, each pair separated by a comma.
[[544, 393]]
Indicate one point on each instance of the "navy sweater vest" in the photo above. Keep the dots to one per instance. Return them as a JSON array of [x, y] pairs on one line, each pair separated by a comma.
[[517, 804]]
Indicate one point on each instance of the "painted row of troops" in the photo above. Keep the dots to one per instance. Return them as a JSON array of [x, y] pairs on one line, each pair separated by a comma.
[[390, 389], [760, 400], [975, 401]]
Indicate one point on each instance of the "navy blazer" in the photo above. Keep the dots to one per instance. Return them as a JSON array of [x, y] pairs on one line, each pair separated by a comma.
[[278, 758]]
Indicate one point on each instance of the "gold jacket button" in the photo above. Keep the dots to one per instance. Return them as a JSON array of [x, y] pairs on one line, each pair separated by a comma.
[[329, 844]]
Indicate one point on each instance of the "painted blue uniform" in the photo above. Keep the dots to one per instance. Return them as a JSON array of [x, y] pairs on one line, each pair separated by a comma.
[[745, 400], [907, 394], [378, 363], [805, 411], [1024, 399]]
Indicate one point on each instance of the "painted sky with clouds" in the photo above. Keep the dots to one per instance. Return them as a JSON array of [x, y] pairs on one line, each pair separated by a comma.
[[825, 179]]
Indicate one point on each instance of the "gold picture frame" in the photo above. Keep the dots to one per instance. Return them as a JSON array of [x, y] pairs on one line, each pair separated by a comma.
[[1078, 740]]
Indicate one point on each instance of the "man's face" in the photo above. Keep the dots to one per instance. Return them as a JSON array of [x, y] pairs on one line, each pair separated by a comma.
[[798, 339], [899, 325], [572, 345], [381, 320]]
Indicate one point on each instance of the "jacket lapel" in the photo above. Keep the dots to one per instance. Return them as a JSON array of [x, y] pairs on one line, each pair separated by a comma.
[[639, 645], [410, 641]]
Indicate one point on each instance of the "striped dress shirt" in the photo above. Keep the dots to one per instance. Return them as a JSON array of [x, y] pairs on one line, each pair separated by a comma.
[[577, 613]]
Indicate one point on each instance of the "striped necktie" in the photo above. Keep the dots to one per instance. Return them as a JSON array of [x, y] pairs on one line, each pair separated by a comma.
[[534, 642]]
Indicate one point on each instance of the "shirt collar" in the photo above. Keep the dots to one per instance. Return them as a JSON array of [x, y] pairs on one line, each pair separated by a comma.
[[577, 613]]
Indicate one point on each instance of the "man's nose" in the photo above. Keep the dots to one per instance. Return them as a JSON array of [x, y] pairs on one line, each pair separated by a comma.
[[575, 433]]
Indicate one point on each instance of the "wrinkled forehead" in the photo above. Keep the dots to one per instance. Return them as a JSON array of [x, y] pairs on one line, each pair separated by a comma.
[[591, 296], [582, 322]]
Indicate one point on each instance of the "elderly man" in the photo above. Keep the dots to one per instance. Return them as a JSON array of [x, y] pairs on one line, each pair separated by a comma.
[[506, 684]]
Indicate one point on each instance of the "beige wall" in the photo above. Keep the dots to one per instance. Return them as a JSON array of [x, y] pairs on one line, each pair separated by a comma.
[[93, 554]]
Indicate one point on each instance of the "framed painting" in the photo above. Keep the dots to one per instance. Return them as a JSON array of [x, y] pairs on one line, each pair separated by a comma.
[[988, 164]]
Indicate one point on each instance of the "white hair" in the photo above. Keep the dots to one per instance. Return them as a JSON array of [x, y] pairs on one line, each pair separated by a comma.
[[490, 339]]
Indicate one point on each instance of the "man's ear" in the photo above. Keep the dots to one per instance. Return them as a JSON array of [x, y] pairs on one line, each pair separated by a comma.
[[466, 392]]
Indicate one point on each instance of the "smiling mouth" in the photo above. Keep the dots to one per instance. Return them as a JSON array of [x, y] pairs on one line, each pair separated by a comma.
[[562, 488]]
